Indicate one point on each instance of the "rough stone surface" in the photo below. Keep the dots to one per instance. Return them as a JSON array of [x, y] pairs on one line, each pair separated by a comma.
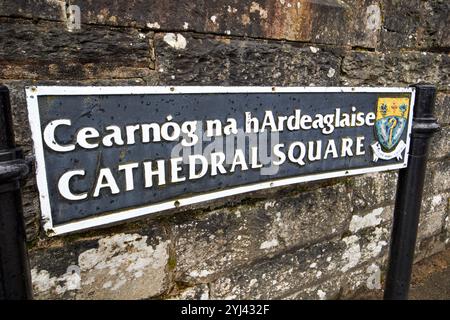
[[395, 68], [416, 24], [365, 22], [34, 9], [290, 272], [442, 108], [120, 266], [246, 233], [217, 60], [440, 144], [58, 54], [322, 21], [434, 211], [366, 277], [326, 290], [430, 246], [372, 218], [199, 292], [437, 179], [373, 190], [30, 202]]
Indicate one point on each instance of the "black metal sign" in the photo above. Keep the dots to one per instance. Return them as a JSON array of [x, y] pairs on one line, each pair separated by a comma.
[[106, 154]]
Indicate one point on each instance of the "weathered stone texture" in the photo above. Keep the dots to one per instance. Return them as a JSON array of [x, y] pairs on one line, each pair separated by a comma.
[[240, 235], [367, 276], [58, 54], [373, 218], [442, 108], [31, 207], [416, 24], [290, 272], [364, 20], [373, 190], [433, 233], [323, 21], [34, 9], [437, 179], [430, 246], [350, 22], [396, 68], [434, 211], [440, 144], [188, 59], [198, 292], [118, 266]]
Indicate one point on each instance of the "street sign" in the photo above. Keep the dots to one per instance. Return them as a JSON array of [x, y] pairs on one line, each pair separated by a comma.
[[106, 154]]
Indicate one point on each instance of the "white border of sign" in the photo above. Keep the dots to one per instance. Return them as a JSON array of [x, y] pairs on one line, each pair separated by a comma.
[[108, 218]]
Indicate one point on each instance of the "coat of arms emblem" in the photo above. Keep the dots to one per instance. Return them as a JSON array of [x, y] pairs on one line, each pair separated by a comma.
[[391, 121]]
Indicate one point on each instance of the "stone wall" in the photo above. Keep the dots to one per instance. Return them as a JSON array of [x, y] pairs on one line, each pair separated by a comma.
[[321, 240]]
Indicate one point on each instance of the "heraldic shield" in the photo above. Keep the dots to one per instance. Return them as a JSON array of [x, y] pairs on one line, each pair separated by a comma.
[[391, 121]]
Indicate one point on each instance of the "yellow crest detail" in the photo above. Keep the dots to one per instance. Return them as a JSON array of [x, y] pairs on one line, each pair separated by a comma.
[[392, 107]]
